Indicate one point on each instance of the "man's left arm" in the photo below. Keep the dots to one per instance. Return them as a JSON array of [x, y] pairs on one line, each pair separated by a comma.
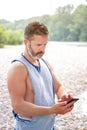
[[60, 91]]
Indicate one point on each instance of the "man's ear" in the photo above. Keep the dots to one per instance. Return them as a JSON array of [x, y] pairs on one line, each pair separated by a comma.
[[26, 41]]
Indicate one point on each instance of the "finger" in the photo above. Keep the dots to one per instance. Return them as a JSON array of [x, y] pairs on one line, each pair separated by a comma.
[[69, 109], [60, 100], [70, 95], [70, 106], [66, 96], [64, 103]]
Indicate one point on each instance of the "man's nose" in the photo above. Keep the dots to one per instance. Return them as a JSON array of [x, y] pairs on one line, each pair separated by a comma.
[[42, 48]]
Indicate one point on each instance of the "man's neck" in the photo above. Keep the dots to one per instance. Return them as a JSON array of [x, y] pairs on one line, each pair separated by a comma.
[[32, 60]]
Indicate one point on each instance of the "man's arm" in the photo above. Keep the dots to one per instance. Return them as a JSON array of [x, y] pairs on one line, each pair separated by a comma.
[[16, 81], [60, 91]]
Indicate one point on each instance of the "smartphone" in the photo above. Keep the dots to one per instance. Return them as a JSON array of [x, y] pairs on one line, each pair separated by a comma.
[[73, 99]]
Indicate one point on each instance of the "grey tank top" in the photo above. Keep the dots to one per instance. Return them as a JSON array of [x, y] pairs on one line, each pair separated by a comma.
[[42, 83]]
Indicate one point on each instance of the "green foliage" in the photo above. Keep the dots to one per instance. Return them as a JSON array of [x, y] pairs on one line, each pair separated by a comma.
[[2, 36], [14, 37], [74, 32], [80, 19], [67, 24], [1, 45], [65, 10], [10, 37]]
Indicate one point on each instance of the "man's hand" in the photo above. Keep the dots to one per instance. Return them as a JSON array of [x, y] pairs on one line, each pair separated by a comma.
[[62, 107], [65, 97]]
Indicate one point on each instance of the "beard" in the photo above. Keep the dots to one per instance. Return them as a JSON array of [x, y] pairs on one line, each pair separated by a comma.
[[35, 56]]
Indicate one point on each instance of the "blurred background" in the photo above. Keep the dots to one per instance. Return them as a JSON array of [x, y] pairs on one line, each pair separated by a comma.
[[66, 20], [66, 51]]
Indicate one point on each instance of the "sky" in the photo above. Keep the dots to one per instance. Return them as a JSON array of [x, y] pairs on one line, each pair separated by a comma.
[[12, 10]]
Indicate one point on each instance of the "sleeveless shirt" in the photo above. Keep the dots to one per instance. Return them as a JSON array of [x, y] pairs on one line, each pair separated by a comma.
[[43, 86]]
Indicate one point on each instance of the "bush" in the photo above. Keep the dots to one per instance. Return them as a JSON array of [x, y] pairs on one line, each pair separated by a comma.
[[1, 45]]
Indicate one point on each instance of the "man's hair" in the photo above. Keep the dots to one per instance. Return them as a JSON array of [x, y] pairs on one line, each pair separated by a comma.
[[35, 28]]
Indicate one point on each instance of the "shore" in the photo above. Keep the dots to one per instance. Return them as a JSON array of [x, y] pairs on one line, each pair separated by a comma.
[[70, 64]]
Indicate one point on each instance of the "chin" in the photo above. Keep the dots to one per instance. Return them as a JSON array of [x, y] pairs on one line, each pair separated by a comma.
[[40, 55]]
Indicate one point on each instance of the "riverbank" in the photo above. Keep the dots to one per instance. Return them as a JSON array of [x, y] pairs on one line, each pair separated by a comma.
[[70, 64]]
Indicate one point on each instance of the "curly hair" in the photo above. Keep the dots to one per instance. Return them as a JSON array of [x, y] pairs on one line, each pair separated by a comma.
[[35, 28]]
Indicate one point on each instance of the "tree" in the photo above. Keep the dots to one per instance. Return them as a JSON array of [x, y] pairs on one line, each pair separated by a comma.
[[14, 37], [2, 35], [80, 20], [61, 20]]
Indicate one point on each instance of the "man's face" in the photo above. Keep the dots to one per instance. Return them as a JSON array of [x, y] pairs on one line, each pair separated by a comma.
[[36, 47]]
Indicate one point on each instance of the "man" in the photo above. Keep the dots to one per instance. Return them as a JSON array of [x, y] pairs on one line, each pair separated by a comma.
[[32, 84]]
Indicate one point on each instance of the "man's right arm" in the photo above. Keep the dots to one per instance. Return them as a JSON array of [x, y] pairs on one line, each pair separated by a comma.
[[16, 81]]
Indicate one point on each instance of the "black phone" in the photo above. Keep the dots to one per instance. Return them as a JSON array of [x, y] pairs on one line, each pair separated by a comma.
[[72, 99]]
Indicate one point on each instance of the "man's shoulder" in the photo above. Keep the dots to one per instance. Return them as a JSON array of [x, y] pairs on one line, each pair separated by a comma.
[[16, 65], [17, 68]]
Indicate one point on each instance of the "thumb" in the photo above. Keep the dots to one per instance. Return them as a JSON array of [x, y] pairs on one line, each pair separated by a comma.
[[63, 103]]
